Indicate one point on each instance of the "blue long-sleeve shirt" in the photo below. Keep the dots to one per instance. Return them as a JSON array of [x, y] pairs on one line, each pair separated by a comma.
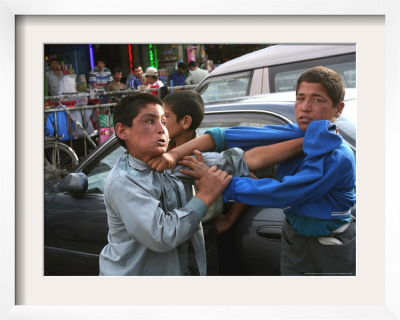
[[133, 82], [316, 190]]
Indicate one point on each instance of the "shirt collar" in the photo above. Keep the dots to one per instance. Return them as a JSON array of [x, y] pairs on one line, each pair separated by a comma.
[[137, 164]]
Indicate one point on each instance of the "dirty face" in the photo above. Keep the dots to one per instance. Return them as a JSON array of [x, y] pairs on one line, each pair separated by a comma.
[[147, 137], [314, 103]]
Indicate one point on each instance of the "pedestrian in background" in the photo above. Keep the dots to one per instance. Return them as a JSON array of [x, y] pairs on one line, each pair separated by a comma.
[[116, 84], [154, 83], [54, 77], [100, 76], [136, 79], [196, 75], [178, 77]]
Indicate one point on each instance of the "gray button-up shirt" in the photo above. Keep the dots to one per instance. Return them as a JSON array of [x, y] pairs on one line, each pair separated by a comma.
[[53, 81], [154, 223]]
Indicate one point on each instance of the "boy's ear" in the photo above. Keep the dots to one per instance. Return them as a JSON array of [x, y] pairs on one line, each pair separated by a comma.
[[121, 131], [186, 122], [339, 109]]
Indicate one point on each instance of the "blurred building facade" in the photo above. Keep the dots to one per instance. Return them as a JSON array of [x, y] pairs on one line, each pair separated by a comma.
[[81, 58]]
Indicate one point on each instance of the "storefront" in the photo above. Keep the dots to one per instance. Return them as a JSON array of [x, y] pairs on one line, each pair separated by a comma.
[[80, 59], [220, 53]]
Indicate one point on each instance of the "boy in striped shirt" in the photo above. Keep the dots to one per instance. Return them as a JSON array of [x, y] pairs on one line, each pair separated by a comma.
[[100, 76]]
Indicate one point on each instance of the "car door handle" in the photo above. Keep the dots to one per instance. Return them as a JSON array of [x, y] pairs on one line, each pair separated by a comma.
[[270, 233]]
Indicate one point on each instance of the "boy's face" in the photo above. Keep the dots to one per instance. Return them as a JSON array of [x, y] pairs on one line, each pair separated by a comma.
[[148, 136], [174, 127], [314, 103], [138, 72], [100, 65], [53, 65], [150, 80], [117, 76]]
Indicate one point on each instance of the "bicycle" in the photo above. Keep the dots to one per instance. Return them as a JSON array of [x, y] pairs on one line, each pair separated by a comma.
[[59, 159]]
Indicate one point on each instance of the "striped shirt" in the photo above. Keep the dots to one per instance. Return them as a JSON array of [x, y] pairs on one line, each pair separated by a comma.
[[100, 78]]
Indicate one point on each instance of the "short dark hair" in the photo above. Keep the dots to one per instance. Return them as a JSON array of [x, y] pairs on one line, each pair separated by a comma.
[[102, 60], [186, 102], [116, 70], [182, 65], [53, 59], [329, 78], [129, 107], [192, 64], [135, 66]]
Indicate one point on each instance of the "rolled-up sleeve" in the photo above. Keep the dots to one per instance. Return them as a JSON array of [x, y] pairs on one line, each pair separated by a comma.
[[218, 135]]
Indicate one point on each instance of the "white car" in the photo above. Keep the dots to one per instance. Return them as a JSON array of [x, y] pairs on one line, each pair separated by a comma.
[[276, 69]]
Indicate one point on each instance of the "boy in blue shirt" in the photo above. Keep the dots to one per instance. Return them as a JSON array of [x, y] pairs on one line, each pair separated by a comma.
[[315, 189]]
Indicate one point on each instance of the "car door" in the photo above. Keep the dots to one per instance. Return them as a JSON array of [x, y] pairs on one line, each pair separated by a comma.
[[252, 245], [76, 224]]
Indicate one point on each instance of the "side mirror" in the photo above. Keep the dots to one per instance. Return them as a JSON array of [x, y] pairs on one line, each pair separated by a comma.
[[73, 183]]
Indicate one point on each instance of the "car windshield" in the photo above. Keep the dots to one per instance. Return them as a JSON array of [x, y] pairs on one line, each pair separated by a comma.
[[226, 87], [98, 172]]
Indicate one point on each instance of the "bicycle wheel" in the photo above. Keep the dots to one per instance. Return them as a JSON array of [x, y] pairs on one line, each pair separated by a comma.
[[59, 160]]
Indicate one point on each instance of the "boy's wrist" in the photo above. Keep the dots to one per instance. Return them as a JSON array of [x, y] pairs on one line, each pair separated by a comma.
[[174, 157], [205, 197]]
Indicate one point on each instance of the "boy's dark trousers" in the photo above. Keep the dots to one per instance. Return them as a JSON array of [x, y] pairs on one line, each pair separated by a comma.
[[333, 255], [210, 238]]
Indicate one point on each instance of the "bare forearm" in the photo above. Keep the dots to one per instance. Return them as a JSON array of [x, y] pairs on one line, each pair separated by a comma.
[[203, 144], [171, 158], [235, 212], [265, 156], [224, 223]]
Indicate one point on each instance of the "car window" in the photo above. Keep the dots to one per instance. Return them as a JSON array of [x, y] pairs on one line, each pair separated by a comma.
[[226, 87], [99, 170], [284, 77]]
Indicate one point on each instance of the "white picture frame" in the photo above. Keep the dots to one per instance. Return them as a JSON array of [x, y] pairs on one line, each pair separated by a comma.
[[16, 174]]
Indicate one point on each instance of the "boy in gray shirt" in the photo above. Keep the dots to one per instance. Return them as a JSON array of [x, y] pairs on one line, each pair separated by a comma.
[[154, 222]]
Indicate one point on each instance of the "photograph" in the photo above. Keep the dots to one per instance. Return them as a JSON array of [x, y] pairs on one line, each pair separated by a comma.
[[242, 239]]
